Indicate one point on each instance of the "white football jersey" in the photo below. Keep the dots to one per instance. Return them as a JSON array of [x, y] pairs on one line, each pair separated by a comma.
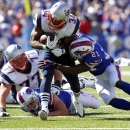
[[32, 79], [72, 26], [3, 62]]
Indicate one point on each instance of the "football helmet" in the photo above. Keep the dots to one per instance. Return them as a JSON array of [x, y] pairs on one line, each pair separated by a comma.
[[28, 99], [17, 58], [80, 48], [58, 15], [1, 51]]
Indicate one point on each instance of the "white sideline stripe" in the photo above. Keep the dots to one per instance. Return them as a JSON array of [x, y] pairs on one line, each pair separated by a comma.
[[65, 129], [108, 116]]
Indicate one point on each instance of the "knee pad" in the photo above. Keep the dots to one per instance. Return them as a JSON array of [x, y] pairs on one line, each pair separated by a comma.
[[106, 98]]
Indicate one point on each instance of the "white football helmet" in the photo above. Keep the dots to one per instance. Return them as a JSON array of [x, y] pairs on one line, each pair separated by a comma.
[[80, 48], [55, 89], [58, 15], [16, 57], [1, 51], [28, 99]]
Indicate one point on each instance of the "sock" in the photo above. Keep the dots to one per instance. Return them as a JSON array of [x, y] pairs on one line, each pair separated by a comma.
[[120, 104], [44, 100], [125, 87]]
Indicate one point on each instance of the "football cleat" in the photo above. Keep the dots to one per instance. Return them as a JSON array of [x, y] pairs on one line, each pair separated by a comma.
[[43, 114], [87, 82], [79, 109]]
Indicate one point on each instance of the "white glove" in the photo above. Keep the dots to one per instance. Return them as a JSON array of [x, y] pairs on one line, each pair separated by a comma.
[[55, 89], [58, 52], [51, 44]]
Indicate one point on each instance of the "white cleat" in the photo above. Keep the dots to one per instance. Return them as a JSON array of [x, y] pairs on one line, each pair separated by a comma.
[[87, 82], [43, 114], [79, 109]]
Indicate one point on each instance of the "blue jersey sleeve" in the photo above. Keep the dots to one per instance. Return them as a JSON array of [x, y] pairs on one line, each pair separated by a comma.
[[97, 60]]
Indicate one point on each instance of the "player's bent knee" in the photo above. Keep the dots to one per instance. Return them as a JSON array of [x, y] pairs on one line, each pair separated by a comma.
[[106, 98]]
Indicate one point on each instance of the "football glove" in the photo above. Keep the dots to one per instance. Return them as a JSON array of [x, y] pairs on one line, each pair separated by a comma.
[[47, 64], [51, 44], [3, 112], [58, 52]]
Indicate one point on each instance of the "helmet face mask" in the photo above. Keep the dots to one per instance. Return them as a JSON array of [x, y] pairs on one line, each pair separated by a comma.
[[27, 99], [54, 23], [20, 63], [58, 15]]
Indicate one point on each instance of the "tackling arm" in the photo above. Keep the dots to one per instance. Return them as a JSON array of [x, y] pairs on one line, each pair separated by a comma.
[[59, 106], [73, 70]]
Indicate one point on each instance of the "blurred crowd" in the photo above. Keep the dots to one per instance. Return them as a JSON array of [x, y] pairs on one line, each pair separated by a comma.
[[110, 18]]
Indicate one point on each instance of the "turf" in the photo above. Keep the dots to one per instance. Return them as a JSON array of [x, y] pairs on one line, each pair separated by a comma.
[[103, 118]]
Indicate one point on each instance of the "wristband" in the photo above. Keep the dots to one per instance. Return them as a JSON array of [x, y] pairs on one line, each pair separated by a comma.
[[2, 109], [45, 47]]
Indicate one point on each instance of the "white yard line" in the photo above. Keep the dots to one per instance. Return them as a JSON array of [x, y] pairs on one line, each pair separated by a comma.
[[65, 129]]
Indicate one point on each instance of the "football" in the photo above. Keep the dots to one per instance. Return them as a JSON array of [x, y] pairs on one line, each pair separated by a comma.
[[43, 38]]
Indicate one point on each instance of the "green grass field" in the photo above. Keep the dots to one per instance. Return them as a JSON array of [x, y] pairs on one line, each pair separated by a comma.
[[104, 118]]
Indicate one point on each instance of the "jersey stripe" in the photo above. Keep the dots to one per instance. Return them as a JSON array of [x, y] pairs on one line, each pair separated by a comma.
[[7, 78], [39, 19], [76, 26], [20, 97]]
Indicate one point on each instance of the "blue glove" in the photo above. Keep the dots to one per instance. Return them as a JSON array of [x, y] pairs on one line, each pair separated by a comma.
[[47, 64]]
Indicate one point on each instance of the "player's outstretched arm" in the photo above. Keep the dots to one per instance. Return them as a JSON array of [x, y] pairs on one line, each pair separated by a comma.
[[4, 91], [59, 106]]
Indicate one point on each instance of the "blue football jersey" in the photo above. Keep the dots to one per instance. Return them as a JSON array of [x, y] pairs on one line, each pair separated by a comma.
[[97, 59]]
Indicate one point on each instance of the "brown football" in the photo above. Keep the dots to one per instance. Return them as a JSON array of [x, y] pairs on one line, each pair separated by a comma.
[[43, 38]]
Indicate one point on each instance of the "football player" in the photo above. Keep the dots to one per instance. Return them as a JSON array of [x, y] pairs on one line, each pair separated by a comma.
[[60, 104], [21, 69], [59, 21], [94, 59]]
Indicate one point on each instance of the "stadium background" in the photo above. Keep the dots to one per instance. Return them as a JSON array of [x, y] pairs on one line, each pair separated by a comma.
[[106, 21]]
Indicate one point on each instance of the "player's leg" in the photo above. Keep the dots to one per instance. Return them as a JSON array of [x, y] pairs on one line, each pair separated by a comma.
[[45, 84], [10, 98], [75, 87], [115, 80], [57, 78], [89, 100], [14, 92], [73, 81]]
